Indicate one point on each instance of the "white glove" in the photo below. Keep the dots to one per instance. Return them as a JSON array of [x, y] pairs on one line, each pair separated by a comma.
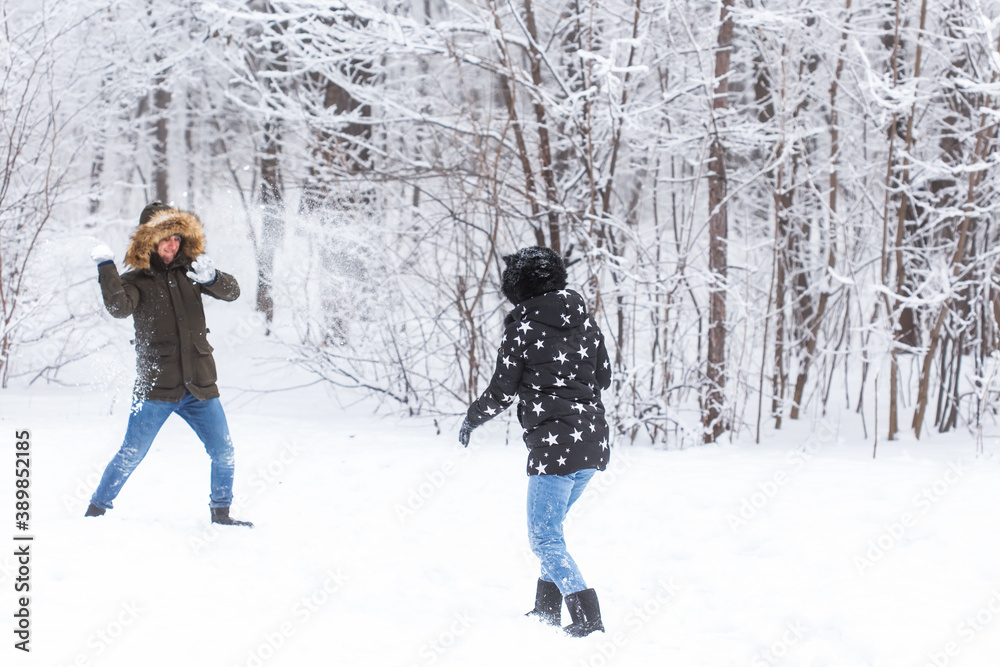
[[202, 270], [102, 253]]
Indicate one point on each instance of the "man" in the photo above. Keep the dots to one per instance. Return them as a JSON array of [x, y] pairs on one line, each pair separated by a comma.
[[175, 371]]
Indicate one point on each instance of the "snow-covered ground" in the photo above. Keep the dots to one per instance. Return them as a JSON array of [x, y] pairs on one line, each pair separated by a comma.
[[381, 542]]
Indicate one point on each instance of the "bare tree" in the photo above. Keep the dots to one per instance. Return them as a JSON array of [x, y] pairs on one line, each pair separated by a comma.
[[715, 372], [37, 156]]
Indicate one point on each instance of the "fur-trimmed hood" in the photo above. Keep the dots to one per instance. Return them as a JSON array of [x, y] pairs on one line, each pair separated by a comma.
[[163, 224]]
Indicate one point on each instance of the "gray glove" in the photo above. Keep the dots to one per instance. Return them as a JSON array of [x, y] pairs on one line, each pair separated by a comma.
[[465, 432], [102, 253], [202, 270]]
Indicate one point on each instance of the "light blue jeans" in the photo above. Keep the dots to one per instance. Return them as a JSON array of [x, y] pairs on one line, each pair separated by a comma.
[[209, 423], [549, 499]]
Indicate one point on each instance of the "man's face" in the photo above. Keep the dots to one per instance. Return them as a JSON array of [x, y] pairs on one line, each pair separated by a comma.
[[168, 247]]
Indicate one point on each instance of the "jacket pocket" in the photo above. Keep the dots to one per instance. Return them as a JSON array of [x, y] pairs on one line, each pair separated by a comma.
[[164, 349], [164, 366], [203, 365]]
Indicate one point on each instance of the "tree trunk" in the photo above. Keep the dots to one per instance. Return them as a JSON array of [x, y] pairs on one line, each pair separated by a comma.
[[191, 137], [509, 93], [781, 265], [713, 418], [544, 145], [275, 60], [96, 169], [272, 218], [890, 302], [161, 165]]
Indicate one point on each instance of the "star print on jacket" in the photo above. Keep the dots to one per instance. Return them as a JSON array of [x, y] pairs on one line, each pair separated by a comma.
[[553, 358]]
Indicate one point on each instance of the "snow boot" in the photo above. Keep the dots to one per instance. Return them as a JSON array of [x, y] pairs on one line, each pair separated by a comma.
[[221, 516], [585, 612], [94, 510], [548, 604]]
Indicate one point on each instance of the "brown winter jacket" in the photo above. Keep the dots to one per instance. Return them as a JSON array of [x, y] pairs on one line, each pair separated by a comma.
[[172, 350]]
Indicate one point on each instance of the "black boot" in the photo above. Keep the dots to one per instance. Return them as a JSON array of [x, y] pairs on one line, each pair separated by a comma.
[[220, 515], [548, 603], [94, 510], [585, 612]]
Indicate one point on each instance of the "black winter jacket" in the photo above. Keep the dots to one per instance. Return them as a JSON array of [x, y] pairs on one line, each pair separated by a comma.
[[553, 358]]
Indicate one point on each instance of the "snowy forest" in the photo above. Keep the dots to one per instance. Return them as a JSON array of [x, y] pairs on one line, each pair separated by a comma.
[[771, 206]]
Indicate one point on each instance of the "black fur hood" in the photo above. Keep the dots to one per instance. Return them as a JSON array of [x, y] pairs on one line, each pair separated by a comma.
[[532, 272]]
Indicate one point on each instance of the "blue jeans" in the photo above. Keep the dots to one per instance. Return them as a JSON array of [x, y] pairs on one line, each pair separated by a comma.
[[209, 423], [549, 499]]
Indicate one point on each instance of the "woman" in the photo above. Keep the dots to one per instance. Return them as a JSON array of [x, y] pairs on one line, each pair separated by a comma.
[[553, 358]]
